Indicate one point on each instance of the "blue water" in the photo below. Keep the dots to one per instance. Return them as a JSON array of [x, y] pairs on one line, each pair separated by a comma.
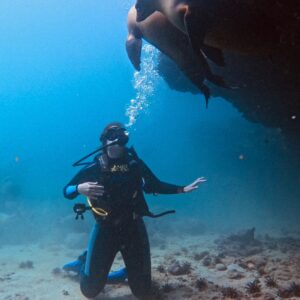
[[64, 74]]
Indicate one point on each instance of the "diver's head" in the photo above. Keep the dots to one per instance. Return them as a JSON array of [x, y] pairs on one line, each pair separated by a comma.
[[115, 132], [144, 8]]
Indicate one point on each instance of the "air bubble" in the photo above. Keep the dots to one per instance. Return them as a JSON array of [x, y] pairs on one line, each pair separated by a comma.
[[144, 83]]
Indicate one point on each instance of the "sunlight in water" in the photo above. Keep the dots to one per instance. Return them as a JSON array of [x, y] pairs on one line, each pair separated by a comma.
[[144, 83]]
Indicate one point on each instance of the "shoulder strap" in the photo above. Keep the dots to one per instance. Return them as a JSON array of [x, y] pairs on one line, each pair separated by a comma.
[[133, 154], [103, 161]]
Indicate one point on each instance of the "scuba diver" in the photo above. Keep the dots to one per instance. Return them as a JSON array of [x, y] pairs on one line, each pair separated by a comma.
[[114, 184]]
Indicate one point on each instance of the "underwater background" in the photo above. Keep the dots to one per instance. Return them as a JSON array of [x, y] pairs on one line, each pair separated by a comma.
[[64, 74]]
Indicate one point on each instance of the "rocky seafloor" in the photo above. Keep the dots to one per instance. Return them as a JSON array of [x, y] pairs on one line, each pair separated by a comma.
[[241, 265]]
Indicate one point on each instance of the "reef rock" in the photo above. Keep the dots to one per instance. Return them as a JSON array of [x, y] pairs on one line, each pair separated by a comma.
[[235, 272], [241, 244], [179, 268], [221, 267]]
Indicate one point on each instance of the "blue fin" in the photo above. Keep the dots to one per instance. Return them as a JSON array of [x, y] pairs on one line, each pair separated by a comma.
[[117, 276], [77, 266]]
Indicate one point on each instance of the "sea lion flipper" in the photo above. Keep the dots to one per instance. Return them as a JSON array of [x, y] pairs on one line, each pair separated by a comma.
[[214, 54], [206, 92], [217, 80], [195, 33], [134, 48]]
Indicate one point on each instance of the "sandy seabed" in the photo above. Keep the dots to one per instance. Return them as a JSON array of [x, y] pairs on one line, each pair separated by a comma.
[[206, 266]]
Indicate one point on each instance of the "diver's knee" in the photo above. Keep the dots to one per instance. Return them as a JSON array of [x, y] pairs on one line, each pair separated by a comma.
[[90, 288], [142, 290]]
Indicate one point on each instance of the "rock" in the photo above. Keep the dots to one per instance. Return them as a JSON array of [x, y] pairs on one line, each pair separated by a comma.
[[235, 271], [249, 251], [26, 264], [221, 267], [235, 267], [250, 266], [245, 237], [241, 244], [258, 262], [233, 274], [199, 256], [207, 261]]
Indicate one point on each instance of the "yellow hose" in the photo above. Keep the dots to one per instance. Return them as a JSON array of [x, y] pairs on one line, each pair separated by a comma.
[[97, 210]]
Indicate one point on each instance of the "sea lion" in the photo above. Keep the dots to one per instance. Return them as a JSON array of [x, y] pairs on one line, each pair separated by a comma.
[[255, 27], [188, 16], [158, 31]]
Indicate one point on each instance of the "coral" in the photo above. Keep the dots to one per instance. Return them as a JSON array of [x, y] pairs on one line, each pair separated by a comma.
[[290, 291], [161, 269], [230, 292], [180, 269], [268, 296], [261, 271], [26, 264], [207, 261], [156, 290], [285, 293], [167, 288], [271, 282], [296, 289], [201, 284], [65, 293], [253, 287]]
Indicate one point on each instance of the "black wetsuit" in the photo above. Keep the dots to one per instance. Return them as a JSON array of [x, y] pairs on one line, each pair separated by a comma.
[[123, 229]]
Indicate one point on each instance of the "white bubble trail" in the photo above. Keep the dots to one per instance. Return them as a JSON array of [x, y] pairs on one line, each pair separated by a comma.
[[144, 83]]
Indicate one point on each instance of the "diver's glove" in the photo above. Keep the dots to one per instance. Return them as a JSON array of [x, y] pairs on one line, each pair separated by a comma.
[[92, 190], [193, 186]]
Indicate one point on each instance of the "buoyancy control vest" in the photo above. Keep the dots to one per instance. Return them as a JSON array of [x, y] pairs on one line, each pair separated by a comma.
[[123, 184]]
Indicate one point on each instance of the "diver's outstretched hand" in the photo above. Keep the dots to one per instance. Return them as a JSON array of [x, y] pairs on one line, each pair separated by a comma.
[[91, 189], [193, 186]]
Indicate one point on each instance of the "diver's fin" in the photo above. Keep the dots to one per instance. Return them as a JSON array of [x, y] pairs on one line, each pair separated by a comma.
[[214, 54], [117, 276], [77, 265], [134, 48], [73, 266]]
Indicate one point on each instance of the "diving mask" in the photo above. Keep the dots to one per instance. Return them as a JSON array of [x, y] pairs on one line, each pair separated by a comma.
[[119, 134]]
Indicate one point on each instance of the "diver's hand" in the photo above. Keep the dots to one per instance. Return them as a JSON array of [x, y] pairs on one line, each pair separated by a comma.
[[91, 189], [193, 186]]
